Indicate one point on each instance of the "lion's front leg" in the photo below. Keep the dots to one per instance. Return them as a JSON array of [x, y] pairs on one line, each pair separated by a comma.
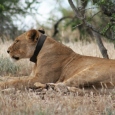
[[19, 83]]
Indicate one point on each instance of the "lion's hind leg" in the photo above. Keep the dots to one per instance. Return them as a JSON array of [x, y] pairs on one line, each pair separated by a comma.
[[59, 87], [63, 88], [39, 85]]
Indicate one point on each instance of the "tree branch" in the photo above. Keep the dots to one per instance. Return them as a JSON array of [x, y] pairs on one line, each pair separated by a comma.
[[57, 24], [92, 29], [76, 10]]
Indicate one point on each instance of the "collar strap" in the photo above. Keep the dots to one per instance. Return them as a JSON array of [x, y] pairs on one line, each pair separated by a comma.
[[38, 48]]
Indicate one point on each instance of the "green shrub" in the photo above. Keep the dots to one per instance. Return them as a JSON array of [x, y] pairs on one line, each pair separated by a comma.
[[7, 67]]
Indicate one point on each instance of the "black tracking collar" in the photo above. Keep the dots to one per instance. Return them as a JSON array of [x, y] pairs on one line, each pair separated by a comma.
[[38, 48]]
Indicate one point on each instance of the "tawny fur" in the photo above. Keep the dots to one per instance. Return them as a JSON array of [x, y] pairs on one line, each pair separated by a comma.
[[57, 63]]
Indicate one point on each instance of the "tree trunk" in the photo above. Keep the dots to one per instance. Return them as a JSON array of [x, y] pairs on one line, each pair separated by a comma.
[[79, 14], [100, 44]]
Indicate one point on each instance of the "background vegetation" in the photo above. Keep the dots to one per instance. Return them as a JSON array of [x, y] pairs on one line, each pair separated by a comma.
[[92, 18], [10, 12]]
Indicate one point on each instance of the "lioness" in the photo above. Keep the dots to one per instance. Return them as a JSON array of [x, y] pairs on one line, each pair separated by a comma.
[[57, 63]]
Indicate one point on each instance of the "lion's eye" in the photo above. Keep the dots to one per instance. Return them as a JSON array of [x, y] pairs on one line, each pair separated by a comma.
[[16, 41]]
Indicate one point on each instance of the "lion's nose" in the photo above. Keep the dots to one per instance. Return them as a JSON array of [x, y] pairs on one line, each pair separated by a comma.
[[8, 51]]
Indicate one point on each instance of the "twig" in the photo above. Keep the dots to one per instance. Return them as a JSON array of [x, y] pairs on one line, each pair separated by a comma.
[[95, 15], [57, 23]]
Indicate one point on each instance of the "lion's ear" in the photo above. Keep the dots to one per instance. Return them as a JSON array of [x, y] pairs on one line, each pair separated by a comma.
[[41, 30], [32, 35]]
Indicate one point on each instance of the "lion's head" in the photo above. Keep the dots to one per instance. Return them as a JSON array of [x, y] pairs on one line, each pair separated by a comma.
[[24, 45]]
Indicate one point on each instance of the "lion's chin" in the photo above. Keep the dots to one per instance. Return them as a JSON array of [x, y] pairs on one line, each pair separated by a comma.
[[14, 59]]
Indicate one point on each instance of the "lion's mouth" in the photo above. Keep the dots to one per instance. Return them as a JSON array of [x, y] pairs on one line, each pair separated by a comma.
[[16, 58]]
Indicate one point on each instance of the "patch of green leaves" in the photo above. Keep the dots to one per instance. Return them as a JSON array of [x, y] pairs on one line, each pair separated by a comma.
[[104, 30], [2, 7]]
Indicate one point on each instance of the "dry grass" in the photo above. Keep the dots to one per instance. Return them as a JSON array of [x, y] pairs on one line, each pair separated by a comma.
[[51, 102]]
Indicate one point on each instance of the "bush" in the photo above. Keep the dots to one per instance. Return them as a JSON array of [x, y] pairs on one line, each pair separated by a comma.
[[7, 67]]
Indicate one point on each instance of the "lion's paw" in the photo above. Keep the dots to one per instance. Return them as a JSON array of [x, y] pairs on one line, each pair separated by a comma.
[[39, 85], [59, 87], [50, 85], [74, 89]]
